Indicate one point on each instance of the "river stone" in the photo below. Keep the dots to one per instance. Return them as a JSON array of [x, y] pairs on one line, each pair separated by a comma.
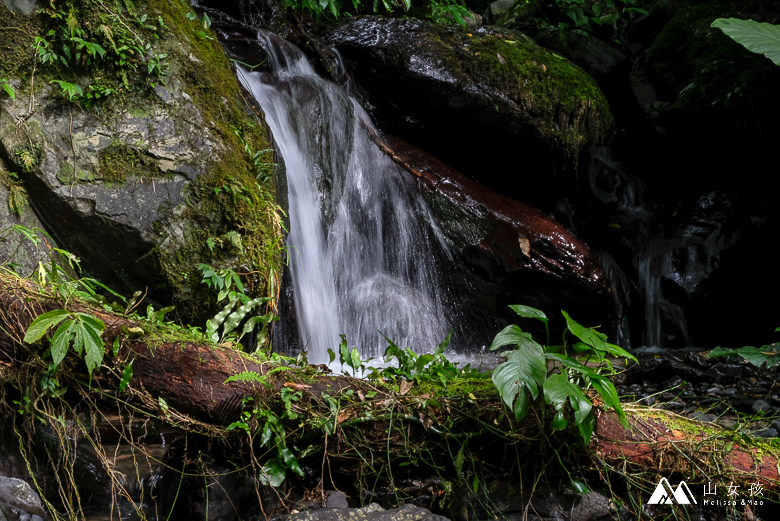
[[372, 512], [18, 494], [494, 106]]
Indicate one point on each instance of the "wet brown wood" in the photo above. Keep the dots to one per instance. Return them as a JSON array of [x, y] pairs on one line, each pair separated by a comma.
[[664, 444]]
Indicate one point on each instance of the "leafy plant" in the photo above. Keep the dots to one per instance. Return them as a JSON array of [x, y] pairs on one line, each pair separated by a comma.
[[758, 37], [555, 20], [100, 49], [8, 88], [532, 370], [236, 309], [79, 331], [350, 358], [767, 355]]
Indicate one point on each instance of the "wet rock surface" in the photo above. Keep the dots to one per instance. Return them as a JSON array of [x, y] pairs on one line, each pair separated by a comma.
[[724, 390], [513, 251], [498, 96]]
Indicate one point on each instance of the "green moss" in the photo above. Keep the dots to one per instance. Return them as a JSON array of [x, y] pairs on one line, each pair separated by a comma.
[[17, 36], [560, 100], [565, 102], [66, 175], [120, 161]]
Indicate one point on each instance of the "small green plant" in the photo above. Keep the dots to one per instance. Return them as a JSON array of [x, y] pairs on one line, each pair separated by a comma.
[[236, 308], [79, 331], [102, 47], [555, 19], [532, 370], [350, 358], [767, 355], [8, 88]]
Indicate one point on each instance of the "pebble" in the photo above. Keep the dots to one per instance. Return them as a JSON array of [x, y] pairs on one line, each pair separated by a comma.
[[703, 417], [765, 433], [760, 406]]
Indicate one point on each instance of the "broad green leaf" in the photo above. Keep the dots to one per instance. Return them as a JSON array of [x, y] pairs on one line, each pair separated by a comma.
[[9, 90], [557, 389], [586, 426], [273, 472], [757, 37], [608, 393], [578, 486], [558, 423], [512, 335], [443, 346], [93, 344], [721, 351], [354, 358], [529, 312], [61, 341], [460, 457], [40, 325], [524, 370], [127, 374]]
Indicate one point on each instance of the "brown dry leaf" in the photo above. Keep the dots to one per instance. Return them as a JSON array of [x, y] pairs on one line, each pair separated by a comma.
[[404, 387], [361, 395], [295, 386], [344, 416], [544, 68], [525, 245], [501, 58]]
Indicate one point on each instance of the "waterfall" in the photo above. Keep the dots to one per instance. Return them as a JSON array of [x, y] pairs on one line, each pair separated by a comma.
[[611, 183], [364, 251]]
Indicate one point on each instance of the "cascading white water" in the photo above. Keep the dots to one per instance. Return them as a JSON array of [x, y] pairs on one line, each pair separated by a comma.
[[363, 246]]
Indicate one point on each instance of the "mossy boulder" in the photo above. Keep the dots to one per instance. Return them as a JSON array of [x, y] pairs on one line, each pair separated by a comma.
[[150, 157], [493, 105]]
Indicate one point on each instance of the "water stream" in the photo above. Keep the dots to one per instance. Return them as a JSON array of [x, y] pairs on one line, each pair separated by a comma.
[[364, 252]]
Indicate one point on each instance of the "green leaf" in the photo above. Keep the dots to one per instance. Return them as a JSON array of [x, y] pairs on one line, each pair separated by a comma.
[[513, 335], [61, 341], [557, 389], [757, 37], [273, 472], [127, 374], [594, 339], [40, 325], [578, 486], [586, 426], [8, 88], [529, 312], [609, 394], [524, 370], [558, 423], [443, 346]]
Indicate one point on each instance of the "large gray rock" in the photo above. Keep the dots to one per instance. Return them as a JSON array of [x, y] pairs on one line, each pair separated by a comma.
[[134, 183], [17, 494]]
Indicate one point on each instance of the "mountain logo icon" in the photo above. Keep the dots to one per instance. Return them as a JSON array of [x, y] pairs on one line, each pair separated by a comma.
[[664, 495]]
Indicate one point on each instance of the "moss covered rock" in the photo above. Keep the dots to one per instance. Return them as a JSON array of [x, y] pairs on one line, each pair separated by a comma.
[[134, 159], [498, 98]]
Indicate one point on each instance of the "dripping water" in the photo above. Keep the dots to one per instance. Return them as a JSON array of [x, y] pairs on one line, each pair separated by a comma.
[[364, 252]]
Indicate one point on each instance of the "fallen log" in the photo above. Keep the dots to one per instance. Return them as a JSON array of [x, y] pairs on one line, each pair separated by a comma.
[[393, 418]]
